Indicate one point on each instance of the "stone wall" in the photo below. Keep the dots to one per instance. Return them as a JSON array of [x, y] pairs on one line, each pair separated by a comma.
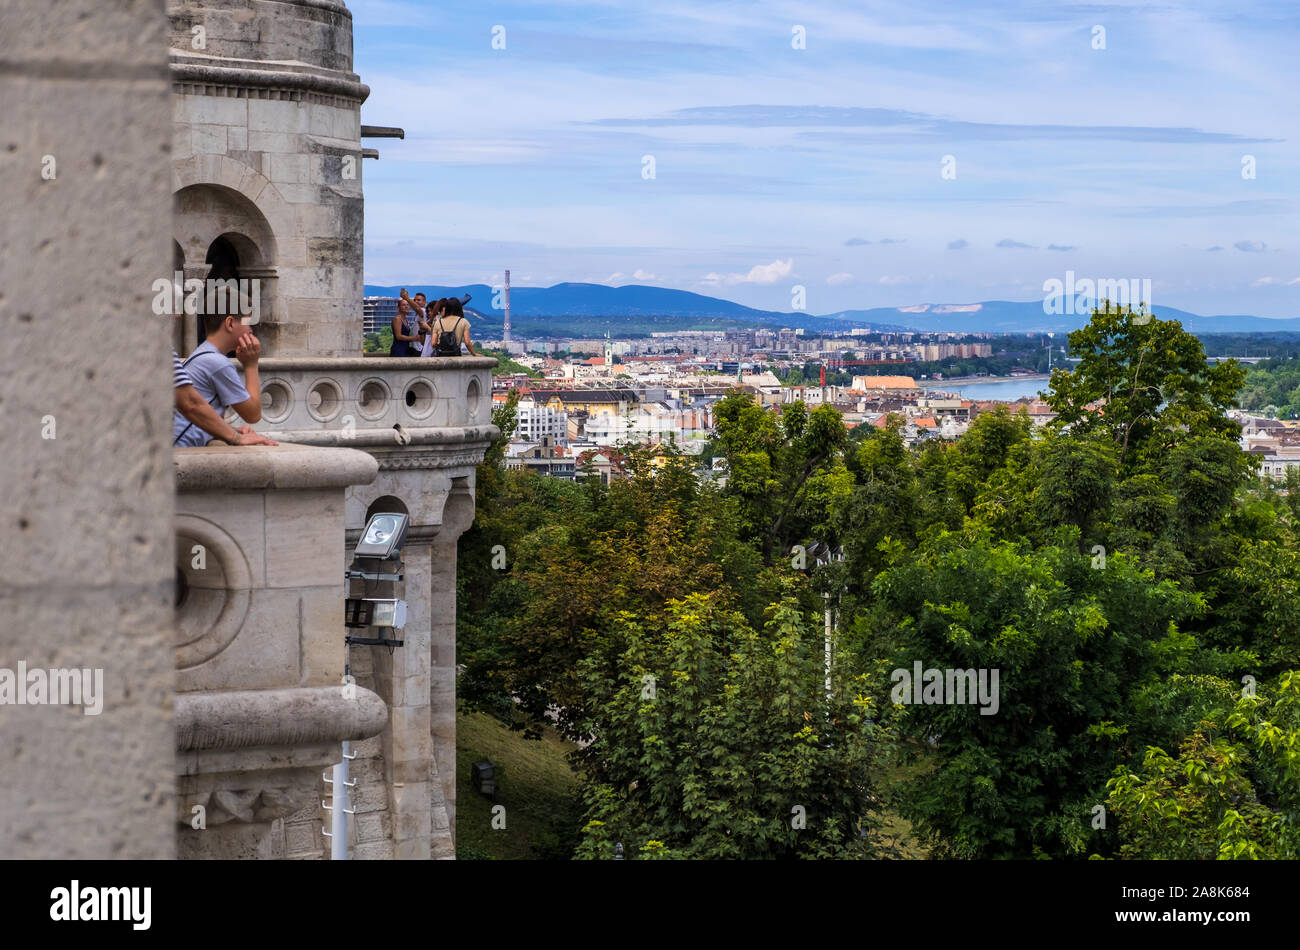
[[85, 399], [427, 422]]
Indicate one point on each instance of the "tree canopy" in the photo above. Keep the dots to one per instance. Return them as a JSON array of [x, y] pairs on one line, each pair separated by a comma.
[[1133, 586]]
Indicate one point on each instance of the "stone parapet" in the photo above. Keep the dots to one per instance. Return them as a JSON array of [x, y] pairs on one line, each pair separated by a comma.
[[316, 33], [279, 467], [267, 181], [197, 77], [341, 401], [260, 709], [272, 717]]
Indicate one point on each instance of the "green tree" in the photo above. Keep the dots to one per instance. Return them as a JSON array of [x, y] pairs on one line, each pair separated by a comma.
[[712, 740], [549, 564], [1233, 790], [883, 504], [380, 342], [1071, 644], [986, 447], [1075, 482], [784, 472], [1143, 381]]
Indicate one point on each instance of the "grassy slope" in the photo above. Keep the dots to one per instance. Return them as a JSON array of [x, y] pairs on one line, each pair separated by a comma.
[[537, 788]]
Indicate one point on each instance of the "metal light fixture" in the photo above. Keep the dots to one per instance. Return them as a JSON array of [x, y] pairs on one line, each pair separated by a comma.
[[389, 613], [384, 536], [378, 559], [374, 612]]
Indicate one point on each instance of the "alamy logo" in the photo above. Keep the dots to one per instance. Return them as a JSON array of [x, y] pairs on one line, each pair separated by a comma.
[[239, 298], [103, 903], [1081, 296], [57, 687], [940, 687]]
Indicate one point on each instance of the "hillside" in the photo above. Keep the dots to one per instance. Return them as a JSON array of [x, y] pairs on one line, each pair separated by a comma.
[[572, 309]]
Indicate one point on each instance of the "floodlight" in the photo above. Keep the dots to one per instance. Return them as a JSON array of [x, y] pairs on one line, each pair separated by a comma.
[[383, 537], [374, 612]]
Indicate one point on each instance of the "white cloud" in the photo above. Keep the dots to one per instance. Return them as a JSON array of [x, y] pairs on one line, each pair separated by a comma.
[[758, 274], [892, 281], [839, 278], [618, 277]]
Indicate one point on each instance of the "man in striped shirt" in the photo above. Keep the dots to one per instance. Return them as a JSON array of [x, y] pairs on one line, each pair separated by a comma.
[[196, 409]]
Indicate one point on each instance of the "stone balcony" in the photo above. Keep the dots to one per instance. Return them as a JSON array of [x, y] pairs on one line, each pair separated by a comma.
[[260, 708], [426, 423]]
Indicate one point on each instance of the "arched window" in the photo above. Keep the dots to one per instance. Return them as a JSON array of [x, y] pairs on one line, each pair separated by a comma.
[[224, 265], [224, 260]]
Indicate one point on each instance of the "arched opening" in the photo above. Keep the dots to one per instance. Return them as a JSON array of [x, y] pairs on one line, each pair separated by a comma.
[[386, 505], [223, 264], [223, 259], [222, 235]]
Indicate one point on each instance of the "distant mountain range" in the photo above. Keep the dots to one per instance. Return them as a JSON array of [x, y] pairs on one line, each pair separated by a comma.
[[590, 309]]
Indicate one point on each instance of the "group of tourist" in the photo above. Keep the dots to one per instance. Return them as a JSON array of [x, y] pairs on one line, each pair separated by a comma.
[[429, 329]]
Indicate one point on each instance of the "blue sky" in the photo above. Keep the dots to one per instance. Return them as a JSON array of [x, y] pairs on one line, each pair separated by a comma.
[[823, 166]]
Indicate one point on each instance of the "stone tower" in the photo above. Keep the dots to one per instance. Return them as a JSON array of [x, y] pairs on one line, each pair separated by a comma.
[[267, 181], [266, 115]]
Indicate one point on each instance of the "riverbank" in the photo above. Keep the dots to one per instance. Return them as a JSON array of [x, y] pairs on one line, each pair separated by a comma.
[[941, 383]]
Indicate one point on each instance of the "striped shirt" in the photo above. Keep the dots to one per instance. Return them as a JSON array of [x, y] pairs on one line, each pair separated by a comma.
[[179, 376]]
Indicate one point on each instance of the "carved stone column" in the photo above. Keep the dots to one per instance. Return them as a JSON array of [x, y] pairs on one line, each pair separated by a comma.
[[190, 321]]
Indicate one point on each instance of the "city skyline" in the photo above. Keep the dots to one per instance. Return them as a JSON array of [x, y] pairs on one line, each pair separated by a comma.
[[823, 167]]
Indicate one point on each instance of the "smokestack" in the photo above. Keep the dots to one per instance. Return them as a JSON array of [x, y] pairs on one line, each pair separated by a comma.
[[506, 335]]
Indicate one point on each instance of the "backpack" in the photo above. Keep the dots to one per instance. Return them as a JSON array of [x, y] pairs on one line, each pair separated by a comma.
[[446, 344]]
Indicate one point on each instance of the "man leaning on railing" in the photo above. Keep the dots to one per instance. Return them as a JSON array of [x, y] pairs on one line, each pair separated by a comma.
[[206, 385]]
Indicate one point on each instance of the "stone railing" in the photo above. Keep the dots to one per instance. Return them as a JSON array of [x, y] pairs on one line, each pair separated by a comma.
[[328, 401], [260, 708]]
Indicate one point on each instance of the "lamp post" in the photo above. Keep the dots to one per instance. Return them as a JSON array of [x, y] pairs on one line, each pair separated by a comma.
[[377, 558], [823, 556]]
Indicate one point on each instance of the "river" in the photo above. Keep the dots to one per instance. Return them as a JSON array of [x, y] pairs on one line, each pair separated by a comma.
[[1008, 389]]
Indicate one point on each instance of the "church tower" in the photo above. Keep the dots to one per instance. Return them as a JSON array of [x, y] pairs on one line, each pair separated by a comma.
[[267, 165]]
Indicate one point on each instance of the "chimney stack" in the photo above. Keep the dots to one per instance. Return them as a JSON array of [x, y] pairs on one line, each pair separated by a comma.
[[506, 335]]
